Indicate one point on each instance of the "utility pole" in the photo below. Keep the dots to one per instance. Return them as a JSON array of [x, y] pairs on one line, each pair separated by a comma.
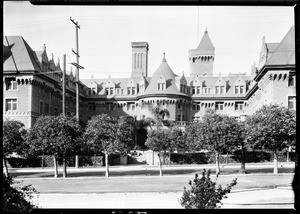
[[64, 87], [77, 79]]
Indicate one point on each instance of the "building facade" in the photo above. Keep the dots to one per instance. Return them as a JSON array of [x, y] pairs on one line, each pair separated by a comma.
[[32, 84]]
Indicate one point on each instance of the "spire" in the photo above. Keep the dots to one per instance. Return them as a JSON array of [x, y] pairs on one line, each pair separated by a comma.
[[52, 57], [44, 47], [164, 57]]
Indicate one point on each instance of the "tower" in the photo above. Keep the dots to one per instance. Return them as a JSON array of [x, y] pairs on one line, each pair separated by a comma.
[[202, 58], [139, 59]]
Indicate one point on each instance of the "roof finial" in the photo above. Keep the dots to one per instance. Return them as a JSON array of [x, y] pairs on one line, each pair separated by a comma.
[[164, 57], [44, 47]]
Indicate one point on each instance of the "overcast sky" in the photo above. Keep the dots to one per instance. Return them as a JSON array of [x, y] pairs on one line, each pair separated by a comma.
[[106, 33]]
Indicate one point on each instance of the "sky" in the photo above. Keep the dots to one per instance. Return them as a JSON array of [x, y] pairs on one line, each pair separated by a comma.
[[106, 33]]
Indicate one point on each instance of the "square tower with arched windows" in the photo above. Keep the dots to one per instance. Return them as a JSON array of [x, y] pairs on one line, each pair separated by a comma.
[[139, 59]]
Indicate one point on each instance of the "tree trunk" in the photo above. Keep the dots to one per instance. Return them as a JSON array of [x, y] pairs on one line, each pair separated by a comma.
[[275, 163], [64, 168], [243, 168], [55, 167], [76, 162], [106, 165], [169, 158], [5, 171], [42, 161], [217, 163], [159, 165]]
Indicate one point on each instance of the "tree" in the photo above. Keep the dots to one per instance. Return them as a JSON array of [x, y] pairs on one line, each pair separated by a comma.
[[213, 132], [204, 194], [177, 140], [17, 198], [159, 113], [59, 136], [108, 135], [13, 140], [273, 128], [158, 140]]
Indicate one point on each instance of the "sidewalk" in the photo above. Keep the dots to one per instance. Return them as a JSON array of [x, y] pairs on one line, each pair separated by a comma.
[[282, 198]]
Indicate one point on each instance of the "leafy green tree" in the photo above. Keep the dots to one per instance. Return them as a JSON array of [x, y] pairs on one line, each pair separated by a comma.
[[204, 193], [159, 114], [59, 136], [272, 128], [159, 141], [13, 140], [177, 140], [108, 135], [17, 198], [214, 132]]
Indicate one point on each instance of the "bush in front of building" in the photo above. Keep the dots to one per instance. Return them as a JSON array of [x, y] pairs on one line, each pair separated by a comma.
[[189, 158], [204, 193]]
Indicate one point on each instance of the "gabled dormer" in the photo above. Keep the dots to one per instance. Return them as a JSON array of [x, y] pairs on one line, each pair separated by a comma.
[[263, 54], [131, 87], [57, 66], [142, 84], [239, 86], [183, 84], [109, 86], [161, 83], [220, 86], [196, 85], [51, 64], [44, 59], [92, 87]]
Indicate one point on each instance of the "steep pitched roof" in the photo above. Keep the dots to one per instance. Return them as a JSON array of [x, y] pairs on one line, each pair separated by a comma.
[[205, 46], [284, 54], [22, 58], [165, 70]]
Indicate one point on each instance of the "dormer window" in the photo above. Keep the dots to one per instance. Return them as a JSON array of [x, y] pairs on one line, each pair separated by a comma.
[[161, 86], [240, 89]]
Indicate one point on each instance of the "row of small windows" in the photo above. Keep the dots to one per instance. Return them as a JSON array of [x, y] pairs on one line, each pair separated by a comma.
[[110, 106], [219, 106]]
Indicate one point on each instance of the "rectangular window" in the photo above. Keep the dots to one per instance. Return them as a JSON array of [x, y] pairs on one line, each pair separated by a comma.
[[292, 102], [128, 90], [239, 106], [11, 105], [222, 90], [41, 107], [133, 90], [241, 89], [194, 107], [55, 111], [158, 86], [193, 90], [46, 108], [92, 106], [111, 91], [163, 86], [219, 106], [178, 117], [217, 89], [198, 90], [106, 91], [236, 89], [12, 85], [291, 81], [130, 106]]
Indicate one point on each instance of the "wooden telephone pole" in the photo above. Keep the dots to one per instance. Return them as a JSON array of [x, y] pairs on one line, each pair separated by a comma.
[[77, 77]]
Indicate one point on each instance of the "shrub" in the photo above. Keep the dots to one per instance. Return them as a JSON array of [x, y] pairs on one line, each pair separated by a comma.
[[189, 158], [204, 194], [17, 199]]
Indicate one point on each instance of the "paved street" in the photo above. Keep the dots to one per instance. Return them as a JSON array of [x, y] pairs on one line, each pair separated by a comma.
[[278, 198], [137, 186]]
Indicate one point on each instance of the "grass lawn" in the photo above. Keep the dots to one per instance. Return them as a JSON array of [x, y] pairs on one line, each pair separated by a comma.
[[85, 181]]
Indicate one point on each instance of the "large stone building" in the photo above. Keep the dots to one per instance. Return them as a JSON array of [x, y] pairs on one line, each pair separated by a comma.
[[32, 89]]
